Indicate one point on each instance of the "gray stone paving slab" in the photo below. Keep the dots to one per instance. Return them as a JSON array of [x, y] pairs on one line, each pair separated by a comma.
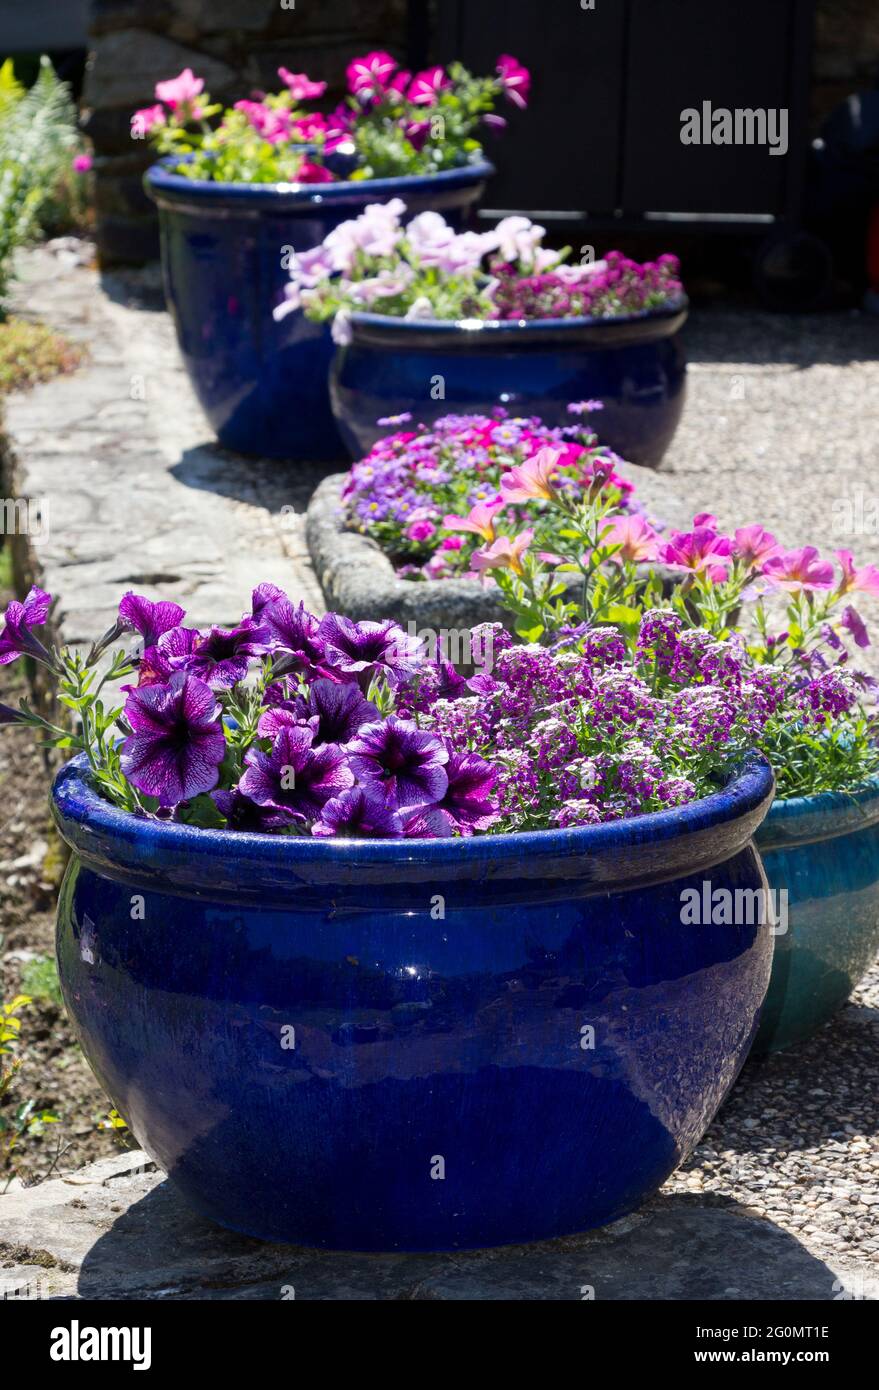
[[119, 1230]]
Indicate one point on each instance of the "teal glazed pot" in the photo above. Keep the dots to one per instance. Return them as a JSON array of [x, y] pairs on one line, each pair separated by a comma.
[[823, 851], [413, 1044]]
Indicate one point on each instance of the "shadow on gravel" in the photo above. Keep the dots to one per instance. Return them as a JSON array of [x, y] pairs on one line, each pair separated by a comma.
[[794, 341], [676, 1248], [263, 482]]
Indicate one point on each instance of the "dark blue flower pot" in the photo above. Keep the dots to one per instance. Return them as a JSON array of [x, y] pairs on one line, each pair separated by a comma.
[[636, 366], [441, 1092], [262, 384], [823, 851]]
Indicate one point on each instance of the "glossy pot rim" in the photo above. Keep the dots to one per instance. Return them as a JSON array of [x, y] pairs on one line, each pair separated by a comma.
[[493, 335], [802, 820], [651, 848], [175, 190]]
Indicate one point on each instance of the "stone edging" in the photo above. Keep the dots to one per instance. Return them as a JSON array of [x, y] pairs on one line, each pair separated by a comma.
[[358, 579]]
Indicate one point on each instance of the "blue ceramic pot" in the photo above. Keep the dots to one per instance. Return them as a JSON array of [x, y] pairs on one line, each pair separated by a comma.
[[823, 851], [635, 365], [441, 1092], [262, 384]]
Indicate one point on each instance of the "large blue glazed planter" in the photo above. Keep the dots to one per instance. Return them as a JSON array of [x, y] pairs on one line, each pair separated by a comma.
[[443, 1090], [635, 366], [262, 384], [823, 852]]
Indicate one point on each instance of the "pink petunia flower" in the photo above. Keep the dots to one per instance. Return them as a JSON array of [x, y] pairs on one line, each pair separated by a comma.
[[369, 76], [480, 521], [301, 87], [147, 119], [754, 546], [82, 163], [535, 478], [799, 571], [636, 538], [505, 553], [181, 91], [864, 581]]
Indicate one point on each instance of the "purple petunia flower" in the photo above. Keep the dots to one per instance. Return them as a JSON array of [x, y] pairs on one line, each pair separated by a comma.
[[138, 614], [360, 813], [242, 814], [339, 711], [177, 741], [294, 778], [263, 595], [364, 649], [408, 762], [470, 796], [171, 653], [222, 658], [16, 639], [294, 634]]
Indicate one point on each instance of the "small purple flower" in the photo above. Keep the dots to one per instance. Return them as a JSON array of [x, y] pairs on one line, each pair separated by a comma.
[[359, 813], [294, 778], [16, 639], [364, 649], [222, 658], [408, 762], [138, 614], [855, 626], [177, 741]]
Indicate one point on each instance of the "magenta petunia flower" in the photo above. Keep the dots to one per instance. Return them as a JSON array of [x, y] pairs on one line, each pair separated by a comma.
[[364, 649], [294, 778], [515, 80], [370, 75], [177, 742], [359, 813], [149, 118], [17, 639], [426, 86], [799, 571], [82, 163], [408, 762], [138, 614], [471, 795], [701, 550], [222, 658]]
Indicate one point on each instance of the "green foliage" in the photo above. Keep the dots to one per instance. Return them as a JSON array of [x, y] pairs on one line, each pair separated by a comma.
[[38, 139], [39, 979]]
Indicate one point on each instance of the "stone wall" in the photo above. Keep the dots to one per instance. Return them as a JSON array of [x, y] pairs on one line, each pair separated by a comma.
[[235, 45]]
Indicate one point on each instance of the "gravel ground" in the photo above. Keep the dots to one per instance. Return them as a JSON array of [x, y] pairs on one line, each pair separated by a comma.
[[798, 1139]]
